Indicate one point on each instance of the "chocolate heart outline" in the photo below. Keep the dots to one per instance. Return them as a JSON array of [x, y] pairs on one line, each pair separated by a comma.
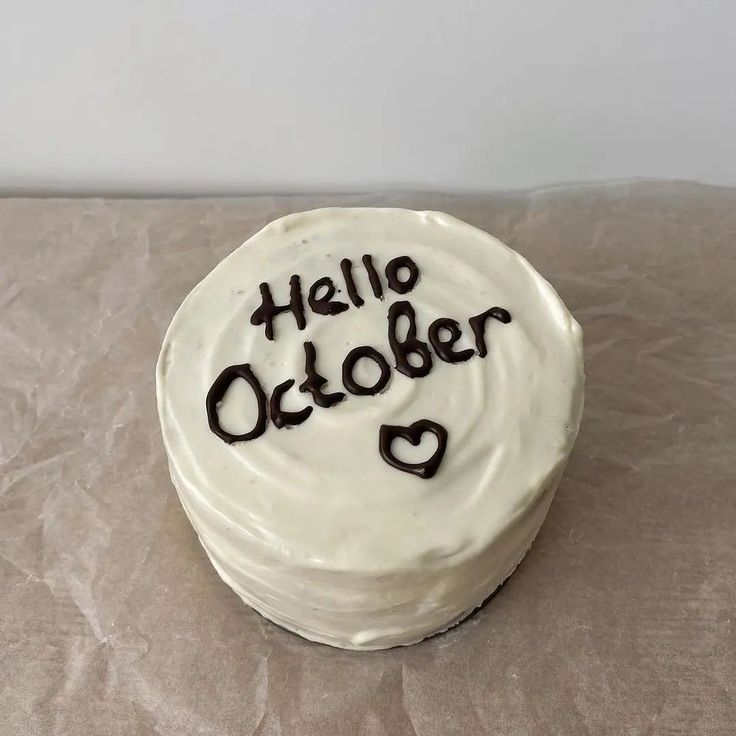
[[413, 435]]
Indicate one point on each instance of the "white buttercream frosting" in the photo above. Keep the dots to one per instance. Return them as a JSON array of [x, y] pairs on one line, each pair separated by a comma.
[[309, 524]]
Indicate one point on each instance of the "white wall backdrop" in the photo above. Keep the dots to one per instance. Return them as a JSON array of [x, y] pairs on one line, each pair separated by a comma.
[[285, 95]]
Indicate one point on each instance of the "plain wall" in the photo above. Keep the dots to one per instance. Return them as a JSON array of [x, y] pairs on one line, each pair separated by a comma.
[[216, 96]]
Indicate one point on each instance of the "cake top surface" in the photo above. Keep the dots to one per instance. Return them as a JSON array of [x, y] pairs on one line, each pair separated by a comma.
[[493, 427]]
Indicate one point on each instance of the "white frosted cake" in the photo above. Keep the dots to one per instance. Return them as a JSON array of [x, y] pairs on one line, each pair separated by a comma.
[[366, 414]]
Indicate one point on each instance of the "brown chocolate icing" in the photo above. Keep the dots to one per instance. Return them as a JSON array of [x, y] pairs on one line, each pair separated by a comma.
[[402, 349], [314, 381], [268, 310], [217, 392], [348, 365], [279, 416], [413, 434]]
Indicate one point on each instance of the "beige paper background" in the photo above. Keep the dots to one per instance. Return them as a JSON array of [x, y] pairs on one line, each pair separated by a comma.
[[619, 621]]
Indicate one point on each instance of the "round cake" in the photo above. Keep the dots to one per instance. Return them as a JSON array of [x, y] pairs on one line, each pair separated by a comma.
[[366, 414]]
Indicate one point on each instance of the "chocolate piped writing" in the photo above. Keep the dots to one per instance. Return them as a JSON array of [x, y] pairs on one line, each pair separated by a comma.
[[443, 347], [282, 418], [373, 276], [322, 291], [268, 310], [392, 274], [324, 304], [217, 392], [348, 366], [412, 357], [413, 435], [410, 345], [478, 325], [346, 267], [314, 381]]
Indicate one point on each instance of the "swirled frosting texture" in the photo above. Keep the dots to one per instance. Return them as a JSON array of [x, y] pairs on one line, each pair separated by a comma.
[[308, 524]]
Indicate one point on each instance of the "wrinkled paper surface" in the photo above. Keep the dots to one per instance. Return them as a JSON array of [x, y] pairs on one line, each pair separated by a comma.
[[621, 619]]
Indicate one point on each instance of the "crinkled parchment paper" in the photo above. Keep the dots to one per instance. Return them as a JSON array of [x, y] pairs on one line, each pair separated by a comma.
[[620, 620]]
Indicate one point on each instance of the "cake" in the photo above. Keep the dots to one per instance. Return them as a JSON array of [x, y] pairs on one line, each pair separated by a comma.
[[366, 414]]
